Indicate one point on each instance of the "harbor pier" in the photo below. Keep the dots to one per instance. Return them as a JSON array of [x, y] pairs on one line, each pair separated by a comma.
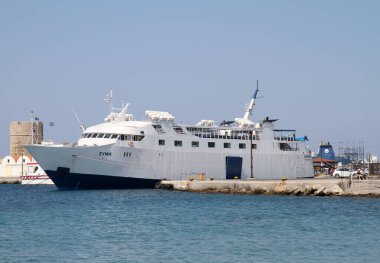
[[297, 187]]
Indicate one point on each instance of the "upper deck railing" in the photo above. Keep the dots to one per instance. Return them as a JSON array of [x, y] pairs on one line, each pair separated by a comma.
[[221, 133]]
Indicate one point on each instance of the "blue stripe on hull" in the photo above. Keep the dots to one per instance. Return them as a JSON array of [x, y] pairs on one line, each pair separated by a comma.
[[95, 181]]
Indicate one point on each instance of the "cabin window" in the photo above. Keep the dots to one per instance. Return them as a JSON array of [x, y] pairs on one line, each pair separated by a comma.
[[122, 137], [107, 136], [94, 135], [227, 145], [161, 142], [178, 143], [194, 144], [211, 144], [254, 146], [242, 146], [101, 135], [114, 136]]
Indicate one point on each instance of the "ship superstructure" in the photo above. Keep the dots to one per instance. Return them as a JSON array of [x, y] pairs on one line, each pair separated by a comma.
[[125, 153]]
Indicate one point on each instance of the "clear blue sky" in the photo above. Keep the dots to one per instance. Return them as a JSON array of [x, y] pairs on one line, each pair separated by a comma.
[[317, 61]]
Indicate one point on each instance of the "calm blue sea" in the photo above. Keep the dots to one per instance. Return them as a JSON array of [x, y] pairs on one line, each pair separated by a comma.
[[42, 224]]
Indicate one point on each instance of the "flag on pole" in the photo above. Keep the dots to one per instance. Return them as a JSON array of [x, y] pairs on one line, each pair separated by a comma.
[[51, 124], [36, 118]]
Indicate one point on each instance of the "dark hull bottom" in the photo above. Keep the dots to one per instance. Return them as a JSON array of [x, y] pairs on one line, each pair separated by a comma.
[[71, 181]]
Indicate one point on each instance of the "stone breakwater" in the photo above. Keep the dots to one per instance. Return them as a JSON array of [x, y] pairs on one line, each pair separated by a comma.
[[298, 187]]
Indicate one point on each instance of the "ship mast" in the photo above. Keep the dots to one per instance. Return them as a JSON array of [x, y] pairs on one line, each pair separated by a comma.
[[108, 100], [248, 112], [248, 117]]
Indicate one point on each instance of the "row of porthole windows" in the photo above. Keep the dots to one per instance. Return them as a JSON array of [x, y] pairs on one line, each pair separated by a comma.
[[122, 137], [226, 145]]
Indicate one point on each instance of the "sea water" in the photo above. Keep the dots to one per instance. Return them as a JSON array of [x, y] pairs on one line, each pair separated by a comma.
[[43, 224]]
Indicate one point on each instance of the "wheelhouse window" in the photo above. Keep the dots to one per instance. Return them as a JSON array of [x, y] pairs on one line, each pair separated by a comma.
[[161, 142], [178, 143], [211, 144], [242, 145], [254, 146], [122, 137], [194, 144], [227, 145]]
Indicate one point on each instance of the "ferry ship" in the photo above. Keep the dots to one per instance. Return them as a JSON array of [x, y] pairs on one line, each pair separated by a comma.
[[125, 153]]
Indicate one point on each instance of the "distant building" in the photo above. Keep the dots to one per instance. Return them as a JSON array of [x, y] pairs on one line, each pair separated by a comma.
[[374, 168], [13, 167]]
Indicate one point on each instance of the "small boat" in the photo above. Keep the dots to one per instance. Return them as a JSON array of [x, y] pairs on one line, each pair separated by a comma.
[[35, 175]]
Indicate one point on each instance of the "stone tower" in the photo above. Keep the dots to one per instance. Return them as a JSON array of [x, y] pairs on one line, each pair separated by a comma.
[[24, 132]]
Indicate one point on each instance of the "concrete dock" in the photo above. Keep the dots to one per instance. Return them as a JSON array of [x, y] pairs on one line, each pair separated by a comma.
[[10, 180], [314, 187]]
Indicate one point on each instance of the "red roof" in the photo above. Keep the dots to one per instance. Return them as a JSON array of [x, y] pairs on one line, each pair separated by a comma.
[[323, 160]]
